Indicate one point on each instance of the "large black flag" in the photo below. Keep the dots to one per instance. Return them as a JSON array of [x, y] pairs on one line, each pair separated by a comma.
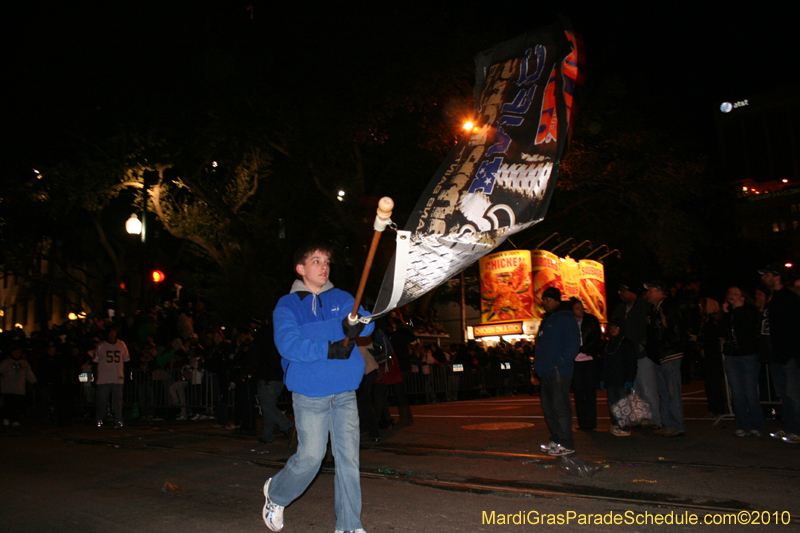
[[499, 179]]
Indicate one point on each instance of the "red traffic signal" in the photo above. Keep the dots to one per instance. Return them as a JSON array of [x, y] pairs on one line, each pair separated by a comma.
[[158, 276]]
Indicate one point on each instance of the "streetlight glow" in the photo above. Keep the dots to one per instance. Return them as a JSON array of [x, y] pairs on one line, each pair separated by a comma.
[[468, 125], [133, 226]]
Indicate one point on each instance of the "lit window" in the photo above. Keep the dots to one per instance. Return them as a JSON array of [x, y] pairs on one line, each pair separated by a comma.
[[775, 227]]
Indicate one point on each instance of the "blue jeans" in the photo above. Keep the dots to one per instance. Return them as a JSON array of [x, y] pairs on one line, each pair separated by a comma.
[[646, 386], [743, 372], [668, 377], [268, 392], [787, 386], [316, 418], [114, 390], [558, 409]]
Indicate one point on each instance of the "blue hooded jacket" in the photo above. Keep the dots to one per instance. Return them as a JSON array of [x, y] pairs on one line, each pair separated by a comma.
[[557, 345], [304, 324]]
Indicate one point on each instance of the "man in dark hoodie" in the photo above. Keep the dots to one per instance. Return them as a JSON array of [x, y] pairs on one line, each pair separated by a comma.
[[557, 345], [315, 340], [665, 337], [781, 334]]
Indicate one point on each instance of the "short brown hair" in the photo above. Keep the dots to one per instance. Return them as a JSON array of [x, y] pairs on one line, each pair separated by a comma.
[[305, 251]]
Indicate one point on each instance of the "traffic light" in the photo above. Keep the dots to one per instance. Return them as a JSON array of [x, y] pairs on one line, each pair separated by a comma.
[[157, 276]]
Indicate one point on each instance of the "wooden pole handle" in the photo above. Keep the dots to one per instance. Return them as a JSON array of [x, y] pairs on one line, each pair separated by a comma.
[[383, 219]]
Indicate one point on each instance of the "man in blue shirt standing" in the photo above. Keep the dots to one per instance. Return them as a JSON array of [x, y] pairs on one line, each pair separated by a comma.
[[311, 328], [557, 345]]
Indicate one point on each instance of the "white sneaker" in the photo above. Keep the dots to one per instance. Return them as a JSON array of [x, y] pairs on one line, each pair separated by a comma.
[[778, 434], [619, 432], [791, 438], [195, 416], [272, 513], [755, 433], [99, 423], [559, 450], [181, 418], [740, 433], [548, 447], [359, 530]]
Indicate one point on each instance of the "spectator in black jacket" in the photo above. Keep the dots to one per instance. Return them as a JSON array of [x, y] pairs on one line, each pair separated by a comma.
[[665, 338], [618, 371], [708, 337], [740, 328], [270, 384], [584, 377], [780, 332]]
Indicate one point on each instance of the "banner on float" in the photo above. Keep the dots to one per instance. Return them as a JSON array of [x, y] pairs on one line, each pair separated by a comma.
[[501, 175], [506, 287]]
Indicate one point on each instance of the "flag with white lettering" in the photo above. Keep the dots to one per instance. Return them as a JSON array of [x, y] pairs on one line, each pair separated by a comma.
[[500, 177]]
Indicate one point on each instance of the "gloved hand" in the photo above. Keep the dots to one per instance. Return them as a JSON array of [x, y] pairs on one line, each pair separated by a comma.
[[337, 350], [602, 385], [354, 330], [628, 385]]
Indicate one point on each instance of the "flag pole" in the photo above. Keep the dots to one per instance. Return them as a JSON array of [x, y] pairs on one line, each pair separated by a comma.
[[382, 219]]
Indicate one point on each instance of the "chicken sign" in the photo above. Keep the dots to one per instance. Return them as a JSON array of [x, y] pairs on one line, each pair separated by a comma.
[[506, 287]]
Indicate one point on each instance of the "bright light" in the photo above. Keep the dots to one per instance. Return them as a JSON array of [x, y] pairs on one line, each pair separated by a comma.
[[788, 265], [214, 164], [82, 315], [133, 226], [38, 174], [784, 180], [744, 189], [340, 196], [341, 193], [468, 125], [158, 276], [2, 313], [18, 325], [72, 316]]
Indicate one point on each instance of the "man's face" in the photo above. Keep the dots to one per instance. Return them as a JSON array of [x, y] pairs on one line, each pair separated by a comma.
[[577, 310], [112, 336], [315, 270], [734, 297], [769, 279], [550, 304], [654, 295], [626, 296]]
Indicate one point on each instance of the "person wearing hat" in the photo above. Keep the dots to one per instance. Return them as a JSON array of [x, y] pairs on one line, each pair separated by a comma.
[[557, 344], [633, 312], [780, 337], [665, 336]]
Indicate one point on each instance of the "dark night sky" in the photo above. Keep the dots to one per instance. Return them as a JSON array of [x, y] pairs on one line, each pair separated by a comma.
[[65, 58]]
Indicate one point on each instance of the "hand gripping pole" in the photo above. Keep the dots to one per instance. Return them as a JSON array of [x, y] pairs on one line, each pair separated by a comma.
[[382, 219]]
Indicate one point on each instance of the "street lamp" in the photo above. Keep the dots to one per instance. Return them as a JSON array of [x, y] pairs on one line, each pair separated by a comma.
[[133, 226]]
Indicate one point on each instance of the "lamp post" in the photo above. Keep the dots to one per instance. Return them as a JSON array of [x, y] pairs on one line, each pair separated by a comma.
[[134, 226]]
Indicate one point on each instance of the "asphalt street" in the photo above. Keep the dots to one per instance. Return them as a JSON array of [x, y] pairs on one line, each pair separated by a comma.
[[463, 466]]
